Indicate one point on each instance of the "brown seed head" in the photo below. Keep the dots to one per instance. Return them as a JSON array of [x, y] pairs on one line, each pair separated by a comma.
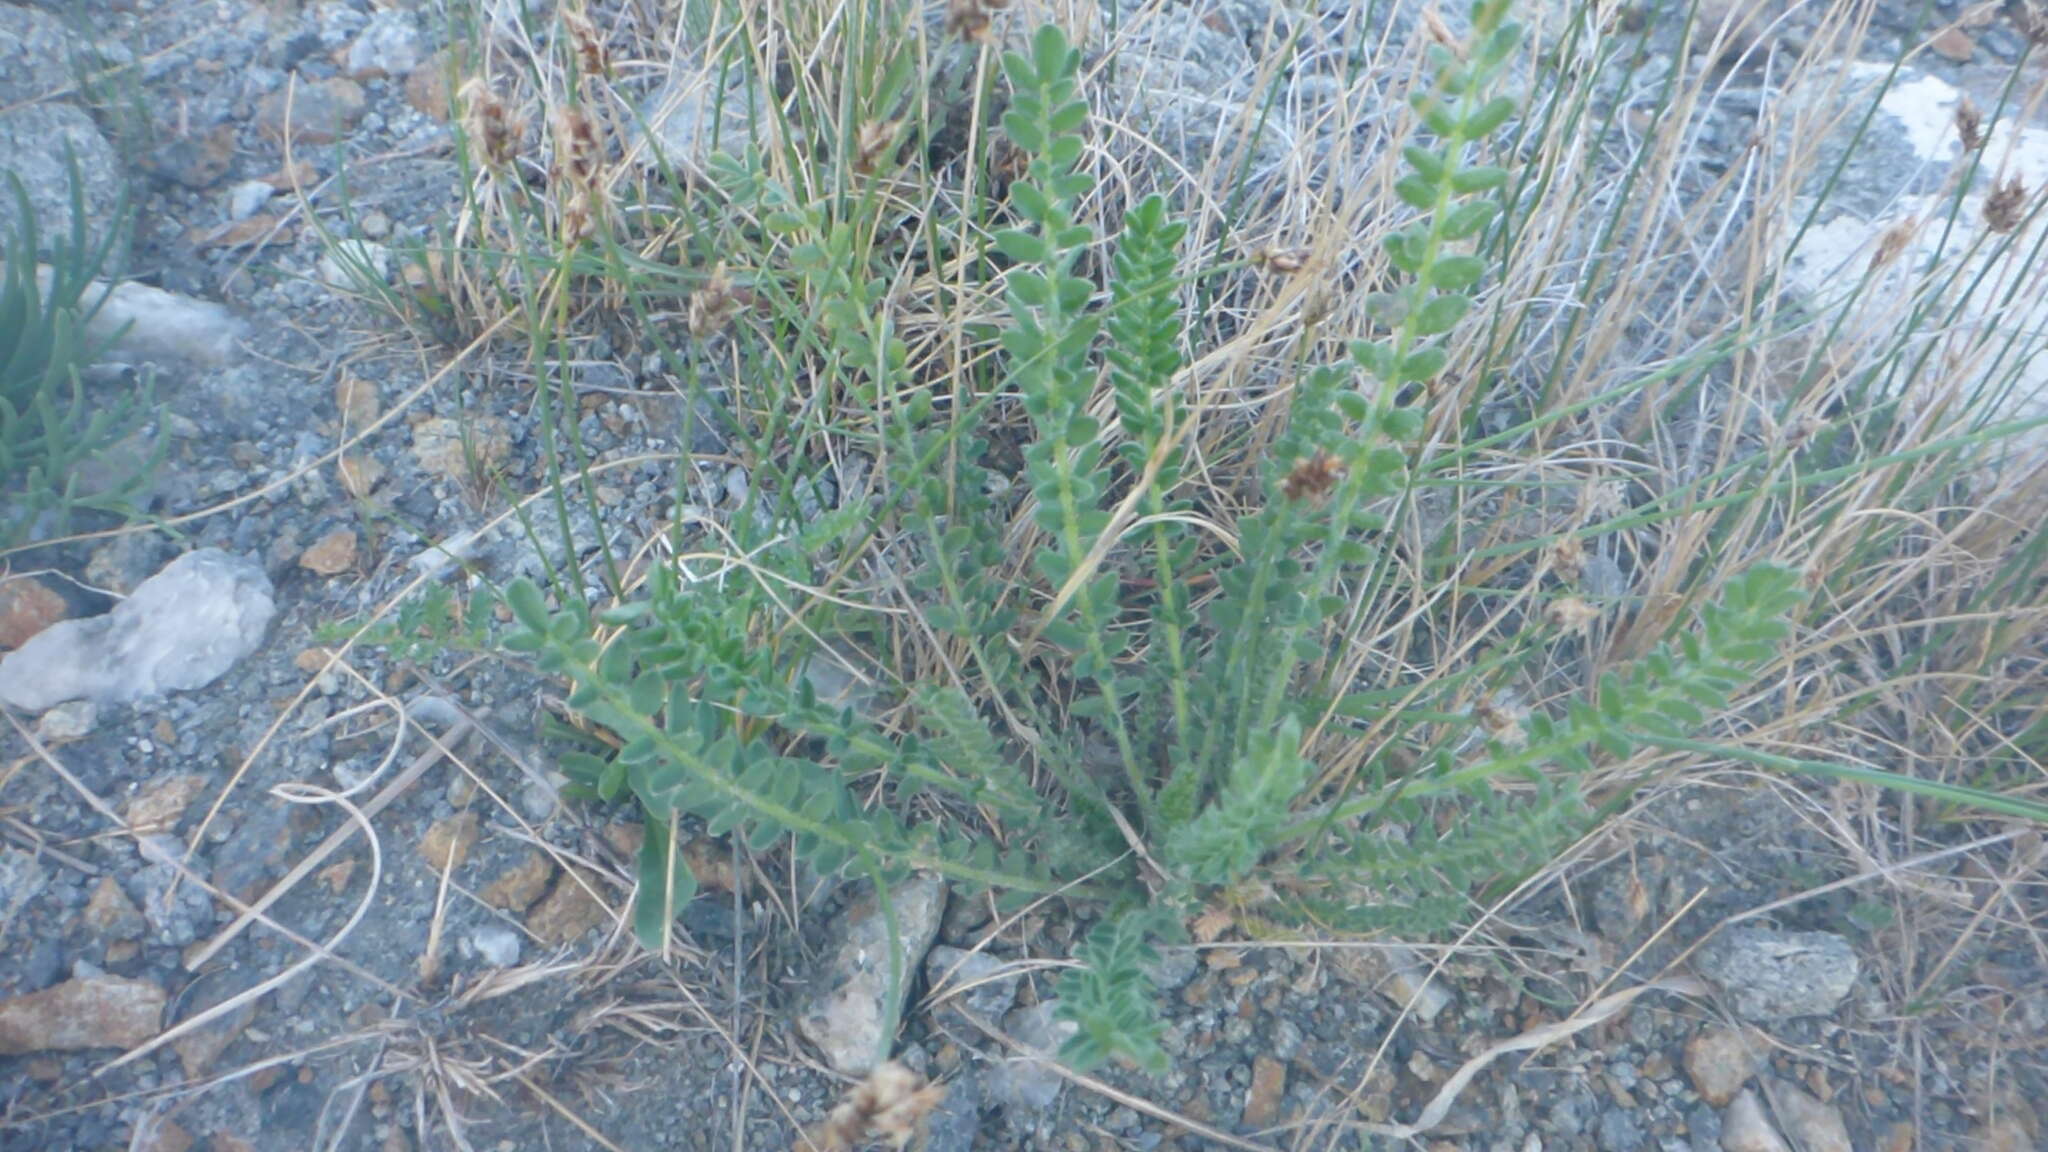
[[713, 305], [2006, 207], [582, 213], [1805, 428], [1969, 125], [875, 143], [1568, 559], [970, 20], [2029, 18], [591, 55], [1570, 614], [1280, 261], [1501, 719], [579, 153], [487, 121], [1893, 242], [1313, 478], [1007, 163], [890, 1105]]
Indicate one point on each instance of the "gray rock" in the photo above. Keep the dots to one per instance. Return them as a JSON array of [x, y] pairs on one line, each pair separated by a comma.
[[182, 629], [1175, 967], [1771, 975], [22, 876], [175, 908], [976, 981], [1185, 85], [853, 1016], [1024, 1084], [497, 944], [36, 142], [956, 1122], [36, 54], [389, 45], [1618, 1131]]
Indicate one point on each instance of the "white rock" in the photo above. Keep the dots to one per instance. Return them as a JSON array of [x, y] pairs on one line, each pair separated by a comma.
[[390, 45], [1745, 1128], [437, 560], [1812, 1125], [679, 119], [248, 197], [348, 262], [148, 323], [853, 1016], [497, 944], [182, 629], [1410, 987], [68, 722], [1894, 195]]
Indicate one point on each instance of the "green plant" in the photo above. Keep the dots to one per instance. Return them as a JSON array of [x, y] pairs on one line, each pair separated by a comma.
[[49, 429], [1098, 734]]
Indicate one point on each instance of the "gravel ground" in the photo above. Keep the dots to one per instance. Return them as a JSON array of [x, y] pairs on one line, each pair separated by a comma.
[[474, 971]]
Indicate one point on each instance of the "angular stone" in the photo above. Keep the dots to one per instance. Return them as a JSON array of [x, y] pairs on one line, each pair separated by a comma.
[[110, 914], [447, 844], [68, 722], [1769, 975], [496, 944], [1812, 1125], [1745, 1127], [517, 887], [261, 230], [195, 161], [567, 911], [1719, 1062], [457, 449], [145, 324], [27, 606], [1025, 1083], [159, 1134], [22, 878], [159, 805], [358, 474], [426, 87], [1953, 44], [332, 554], [94, 1012], [852, 1017], [975, 981], [389, 45], [321, 112], [1269, 1086], [357, 400]]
